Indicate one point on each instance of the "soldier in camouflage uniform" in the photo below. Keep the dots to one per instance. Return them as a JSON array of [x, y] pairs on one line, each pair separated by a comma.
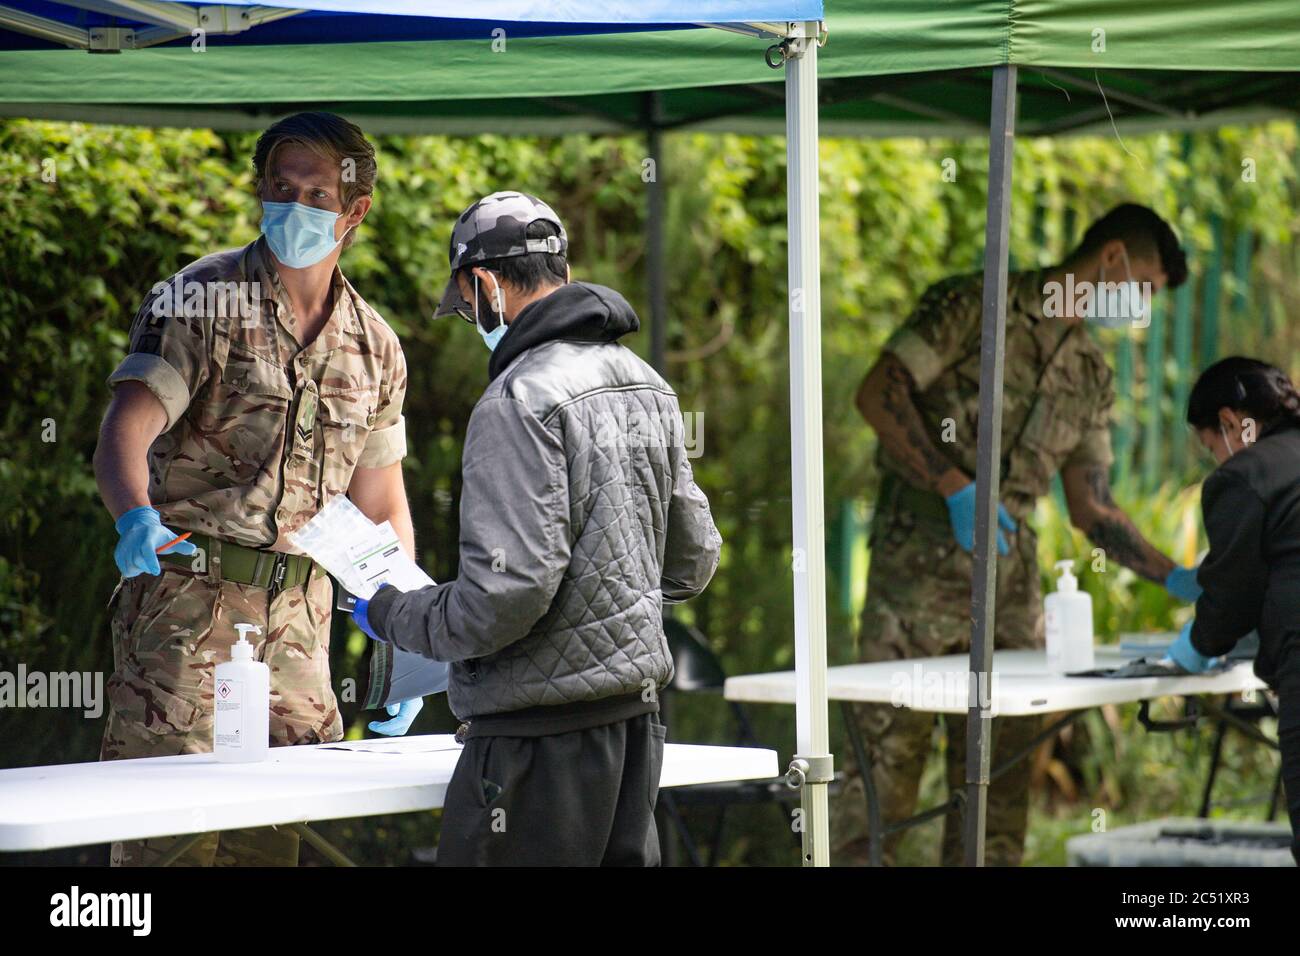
[[922, 399], [253, 392]]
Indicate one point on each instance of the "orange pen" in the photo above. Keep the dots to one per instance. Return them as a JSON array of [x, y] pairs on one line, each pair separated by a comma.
[[173, 541]]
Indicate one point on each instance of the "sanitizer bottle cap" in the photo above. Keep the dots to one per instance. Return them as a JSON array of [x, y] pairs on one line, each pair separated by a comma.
[[242, 650], [1067, 582]]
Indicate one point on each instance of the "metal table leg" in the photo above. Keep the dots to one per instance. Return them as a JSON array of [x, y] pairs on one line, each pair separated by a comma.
[[875, 831], [1216, 755], [328, 849], [177, 851], [1033, 745]]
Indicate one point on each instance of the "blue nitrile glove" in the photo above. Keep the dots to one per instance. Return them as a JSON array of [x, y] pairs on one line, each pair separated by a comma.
[[1186, 656], [403, 715], [142, 533], [961, 511], [1181, 583], [361, 614]]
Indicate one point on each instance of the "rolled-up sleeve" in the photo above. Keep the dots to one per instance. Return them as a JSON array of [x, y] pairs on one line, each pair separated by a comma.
[[939, 332], [384, 446], [386, 443], [168, 353], [1094, 446]]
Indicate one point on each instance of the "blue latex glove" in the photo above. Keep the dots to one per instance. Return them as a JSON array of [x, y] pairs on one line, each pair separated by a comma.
[[1181, 583], [403, 715], [1182, 653], [961, 511], [142, 532]]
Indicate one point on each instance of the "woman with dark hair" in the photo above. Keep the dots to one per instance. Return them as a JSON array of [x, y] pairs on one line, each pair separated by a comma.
[[1247, 413]]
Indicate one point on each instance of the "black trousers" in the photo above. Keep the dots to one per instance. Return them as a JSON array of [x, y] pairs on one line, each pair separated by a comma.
[[1288, 738], [1289, 741], [584, 798]]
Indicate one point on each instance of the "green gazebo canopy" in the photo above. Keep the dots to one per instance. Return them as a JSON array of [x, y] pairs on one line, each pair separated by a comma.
[[890, 67]]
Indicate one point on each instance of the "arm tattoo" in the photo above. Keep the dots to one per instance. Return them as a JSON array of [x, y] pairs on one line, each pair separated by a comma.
[[1114, 533], [910, 445], [1099, 485], [1125, 544]]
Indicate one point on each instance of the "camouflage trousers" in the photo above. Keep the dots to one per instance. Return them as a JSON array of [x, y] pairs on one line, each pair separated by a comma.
[[169, 633], [918, 605]]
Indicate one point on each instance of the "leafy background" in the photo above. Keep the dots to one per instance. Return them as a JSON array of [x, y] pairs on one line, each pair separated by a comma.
[[130, 206]]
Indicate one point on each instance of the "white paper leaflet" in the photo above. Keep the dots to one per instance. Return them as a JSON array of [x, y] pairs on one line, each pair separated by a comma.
[[360, 554]]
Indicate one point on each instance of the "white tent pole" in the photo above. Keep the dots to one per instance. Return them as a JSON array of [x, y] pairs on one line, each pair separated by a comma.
[[997, 230], [812, 766]]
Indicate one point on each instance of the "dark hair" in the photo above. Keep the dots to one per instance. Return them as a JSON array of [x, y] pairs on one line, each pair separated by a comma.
[[1143, 233], [1246, 385], [531, 271]]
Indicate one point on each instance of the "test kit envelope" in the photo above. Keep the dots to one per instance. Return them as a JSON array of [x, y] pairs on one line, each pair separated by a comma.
[[363, 556], [374, 565]]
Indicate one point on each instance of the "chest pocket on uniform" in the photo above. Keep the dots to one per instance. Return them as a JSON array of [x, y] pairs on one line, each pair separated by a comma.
[[242, 422], [1050, 434], [346, 418]]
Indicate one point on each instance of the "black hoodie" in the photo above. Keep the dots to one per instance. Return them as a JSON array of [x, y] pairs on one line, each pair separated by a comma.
[[578, 311]]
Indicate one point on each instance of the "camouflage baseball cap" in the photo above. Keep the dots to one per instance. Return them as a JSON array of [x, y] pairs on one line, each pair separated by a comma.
[[496, 227]]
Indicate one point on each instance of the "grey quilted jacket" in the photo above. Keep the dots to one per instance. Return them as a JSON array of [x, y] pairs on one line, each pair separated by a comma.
[[579, 519]]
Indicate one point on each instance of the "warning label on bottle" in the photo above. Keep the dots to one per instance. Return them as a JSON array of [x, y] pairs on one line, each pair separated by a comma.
[[229, 696]]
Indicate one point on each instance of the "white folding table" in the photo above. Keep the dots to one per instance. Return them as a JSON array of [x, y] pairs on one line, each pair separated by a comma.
[[1020, 685], [43, 808]]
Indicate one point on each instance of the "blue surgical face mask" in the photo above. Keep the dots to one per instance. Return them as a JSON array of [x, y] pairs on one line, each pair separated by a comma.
[[300, 236], [491, 339]]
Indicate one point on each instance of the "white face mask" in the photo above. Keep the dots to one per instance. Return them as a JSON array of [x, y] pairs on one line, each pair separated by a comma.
[[1128, 307], [1226, 444]]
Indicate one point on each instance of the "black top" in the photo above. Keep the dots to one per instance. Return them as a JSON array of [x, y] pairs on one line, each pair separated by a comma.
[[544, 721], [1251, 577]]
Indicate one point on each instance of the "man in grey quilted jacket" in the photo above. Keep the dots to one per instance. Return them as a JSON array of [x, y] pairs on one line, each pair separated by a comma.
[[579, 520]]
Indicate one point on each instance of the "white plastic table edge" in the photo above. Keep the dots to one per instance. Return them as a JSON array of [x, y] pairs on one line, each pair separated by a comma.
[[22, 830]]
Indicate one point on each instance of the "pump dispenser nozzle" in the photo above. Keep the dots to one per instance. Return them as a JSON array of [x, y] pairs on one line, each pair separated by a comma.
[[1067, 582], [242, 650]]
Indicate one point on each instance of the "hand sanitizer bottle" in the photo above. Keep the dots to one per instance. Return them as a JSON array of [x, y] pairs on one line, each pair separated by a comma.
[[242, 728], [1069, 624]]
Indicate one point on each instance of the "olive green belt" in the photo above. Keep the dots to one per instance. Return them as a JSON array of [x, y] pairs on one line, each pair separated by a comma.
[[273, 570], [921, 503]]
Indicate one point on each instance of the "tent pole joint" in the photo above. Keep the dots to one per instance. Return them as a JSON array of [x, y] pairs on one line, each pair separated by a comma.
[[808, 769], [795, 43], [110, 39]]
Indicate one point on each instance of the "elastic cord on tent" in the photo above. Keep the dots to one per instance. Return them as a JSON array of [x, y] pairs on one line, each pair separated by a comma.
[[776, 55]]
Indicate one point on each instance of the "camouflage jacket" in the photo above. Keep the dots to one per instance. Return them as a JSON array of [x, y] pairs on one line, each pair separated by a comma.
[[260, 431], [1058, 389]]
